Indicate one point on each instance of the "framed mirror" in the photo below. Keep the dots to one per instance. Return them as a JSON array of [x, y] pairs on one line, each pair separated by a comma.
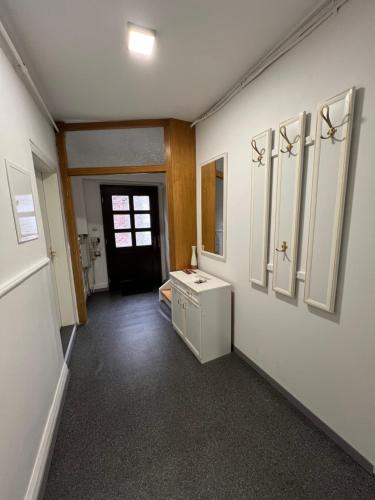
[[213, 207]]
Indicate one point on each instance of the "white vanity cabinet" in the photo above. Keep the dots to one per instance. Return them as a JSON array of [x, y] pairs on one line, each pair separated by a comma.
[[201, 313]]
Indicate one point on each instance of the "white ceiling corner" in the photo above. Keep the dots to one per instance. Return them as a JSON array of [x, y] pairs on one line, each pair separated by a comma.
[[76, 52]]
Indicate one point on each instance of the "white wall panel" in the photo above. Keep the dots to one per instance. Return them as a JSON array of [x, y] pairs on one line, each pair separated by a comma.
[[327, 205], [260, 206], [288, 200]]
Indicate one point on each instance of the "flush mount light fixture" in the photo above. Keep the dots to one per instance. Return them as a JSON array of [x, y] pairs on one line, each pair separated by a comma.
[[140, 40]]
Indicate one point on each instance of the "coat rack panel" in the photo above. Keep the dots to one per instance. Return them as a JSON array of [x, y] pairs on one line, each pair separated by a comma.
[[330, 170], [288, 200], [260, 206]]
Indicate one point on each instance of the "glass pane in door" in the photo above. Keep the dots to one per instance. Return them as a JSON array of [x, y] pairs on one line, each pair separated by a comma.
[[121, 221], [123, 240], [141, 202], [143, 238], [120, 202], [142, 220]]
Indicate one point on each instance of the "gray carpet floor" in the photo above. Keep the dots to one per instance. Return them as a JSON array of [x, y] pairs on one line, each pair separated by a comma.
[[144, 420]]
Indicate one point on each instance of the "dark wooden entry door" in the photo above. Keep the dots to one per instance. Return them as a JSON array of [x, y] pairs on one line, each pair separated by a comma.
[[131, 228]]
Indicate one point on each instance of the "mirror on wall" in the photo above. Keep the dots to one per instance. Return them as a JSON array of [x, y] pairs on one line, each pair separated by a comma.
[[213, 206]]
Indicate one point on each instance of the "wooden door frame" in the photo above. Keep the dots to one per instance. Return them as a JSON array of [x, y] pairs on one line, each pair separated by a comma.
[[208, 202], [67, 173]]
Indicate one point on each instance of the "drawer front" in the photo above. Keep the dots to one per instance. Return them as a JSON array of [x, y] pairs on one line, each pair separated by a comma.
[[187, 291]]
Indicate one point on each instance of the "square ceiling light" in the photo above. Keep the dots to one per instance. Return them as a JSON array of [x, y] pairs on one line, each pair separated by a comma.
[[140, 40]]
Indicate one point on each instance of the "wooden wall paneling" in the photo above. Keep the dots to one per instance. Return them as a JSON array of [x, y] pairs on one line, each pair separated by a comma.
[[288, 200], [330, 171], [79, 126], [260, 206], [208, 196], [71, 228], [135, 169], [170, 199], [179, 167], [181, 189]]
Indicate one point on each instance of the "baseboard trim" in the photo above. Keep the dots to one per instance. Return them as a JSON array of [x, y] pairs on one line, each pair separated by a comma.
[[99, 287], [70, 345], [348, 448], [39, 475]]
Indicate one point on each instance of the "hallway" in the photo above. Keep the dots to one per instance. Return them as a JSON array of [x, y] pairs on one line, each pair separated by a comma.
[[143, 419]]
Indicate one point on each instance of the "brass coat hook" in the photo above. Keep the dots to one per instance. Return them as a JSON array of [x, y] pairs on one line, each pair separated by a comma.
[[284, 247], [324, 113], [259, 153], [290, 144]]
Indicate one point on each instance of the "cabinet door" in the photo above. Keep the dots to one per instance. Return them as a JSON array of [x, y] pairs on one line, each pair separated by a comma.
[[178, 312], [193, 326]]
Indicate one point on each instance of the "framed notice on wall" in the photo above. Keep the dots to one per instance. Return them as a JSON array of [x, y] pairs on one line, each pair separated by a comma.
[[22, 202]]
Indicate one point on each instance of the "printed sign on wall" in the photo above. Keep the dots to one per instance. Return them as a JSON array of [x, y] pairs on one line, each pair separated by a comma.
[[19, 181]]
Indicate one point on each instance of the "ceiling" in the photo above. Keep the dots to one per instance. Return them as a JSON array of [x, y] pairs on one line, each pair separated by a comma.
[[76, 53]]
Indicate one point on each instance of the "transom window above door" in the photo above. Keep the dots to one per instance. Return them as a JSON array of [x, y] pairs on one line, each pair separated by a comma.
[[131, 219]]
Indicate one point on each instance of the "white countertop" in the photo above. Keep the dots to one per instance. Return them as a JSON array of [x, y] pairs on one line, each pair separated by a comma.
[[190, 279]]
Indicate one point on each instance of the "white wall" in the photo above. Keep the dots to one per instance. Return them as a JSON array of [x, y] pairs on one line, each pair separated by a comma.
[[326, 361], [79, 205], [31, 359], [91, 191]]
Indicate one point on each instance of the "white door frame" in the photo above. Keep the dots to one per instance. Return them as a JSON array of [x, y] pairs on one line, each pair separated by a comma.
[[40, 175], [58, 234]]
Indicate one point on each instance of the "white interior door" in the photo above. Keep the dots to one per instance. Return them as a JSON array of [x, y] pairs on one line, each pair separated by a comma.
[[47, 235]]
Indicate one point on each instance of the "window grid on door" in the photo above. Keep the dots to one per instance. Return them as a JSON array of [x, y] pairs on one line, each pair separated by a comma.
[[132, 223]]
